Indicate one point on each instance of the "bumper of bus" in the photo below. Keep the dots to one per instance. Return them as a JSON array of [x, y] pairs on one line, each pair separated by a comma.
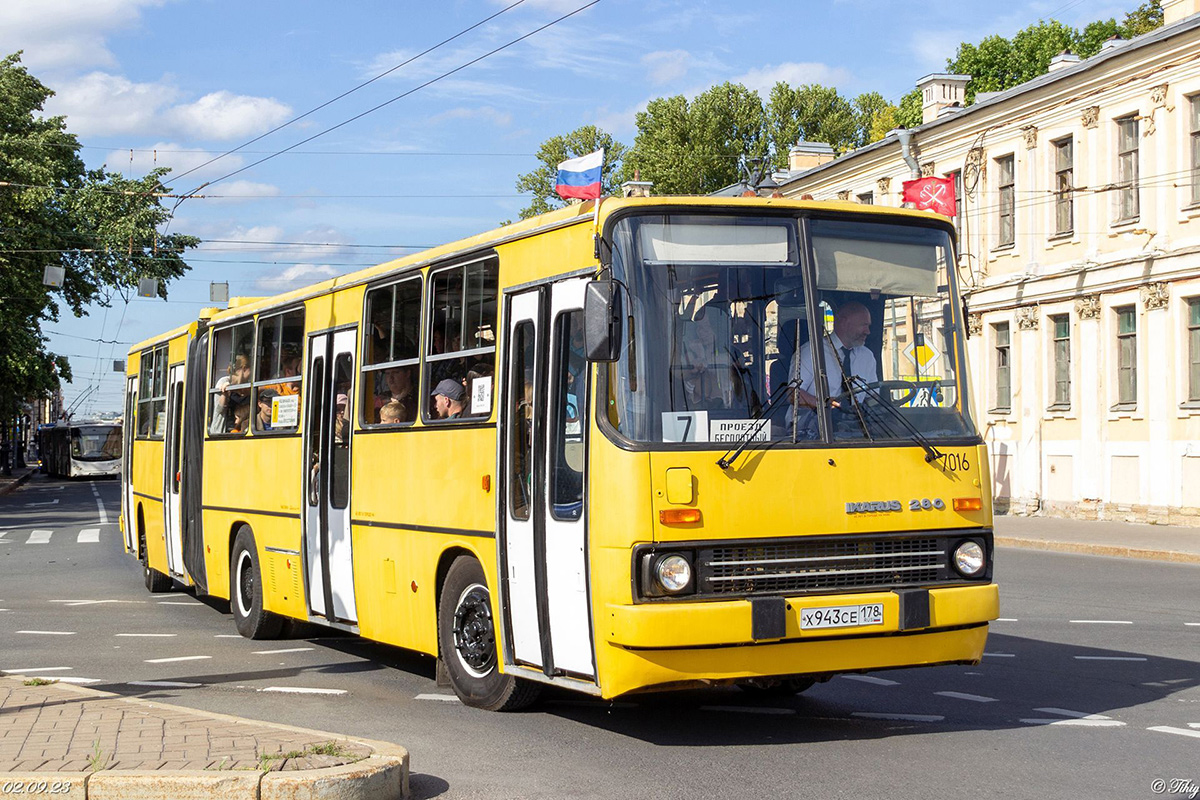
[[665, 644]]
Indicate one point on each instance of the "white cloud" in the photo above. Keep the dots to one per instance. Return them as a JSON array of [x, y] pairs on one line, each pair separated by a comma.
[[223, 115], [294, 277], [622, 121], [665, 66], [794, 73], [240, 191], [174, 155], [66, 33]]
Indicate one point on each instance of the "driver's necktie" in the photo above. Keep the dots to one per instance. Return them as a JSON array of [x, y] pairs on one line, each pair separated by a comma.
[[846, 373]]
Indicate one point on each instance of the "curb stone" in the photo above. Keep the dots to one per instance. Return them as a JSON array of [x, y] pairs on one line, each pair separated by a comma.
[[15, 482], [1085, 548]]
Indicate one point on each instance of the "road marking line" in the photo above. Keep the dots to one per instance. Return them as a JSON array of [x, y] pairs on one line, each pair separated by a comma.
[[27, 670], [1066, 712], [6, 533], [181, 603], [1109, 658], [748, 709], [39, 537], [100, 505], [870, 679], [1190, 624], [88, 535], [974, 698], [288, 650], [1101, 621], [228, 636], [177, 658], [166, 684], [1006, 619], [1084, 723], [303, 690], [50, 633], [1179, 731], [147, 635], [53, 502], [73, 680], [449, 698], [908, 717], [1000, 655]]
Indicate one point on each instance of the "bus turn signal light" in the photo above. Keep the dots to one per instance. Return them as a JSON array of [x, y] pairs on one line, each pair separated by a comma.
[[679, 516], [968, 504]]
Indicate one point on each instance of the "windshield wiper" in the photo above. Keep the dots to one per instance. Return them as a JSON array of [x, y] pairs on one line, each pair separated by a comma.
[[931, 452], [760, 419]]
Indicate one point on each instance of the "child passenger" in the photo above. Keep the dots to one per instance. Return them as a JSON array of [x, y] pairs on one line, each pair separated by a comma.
[[392, 412]]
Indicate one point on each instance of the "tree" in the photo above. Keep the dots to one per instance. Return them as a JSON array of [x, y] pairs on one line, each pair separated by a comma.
[[101, 227], [876, 116], [811, 113], [557, 149]]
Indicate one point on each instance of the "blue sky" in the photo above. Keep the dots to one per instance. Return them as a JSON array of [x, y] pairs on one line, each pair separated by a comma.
[[146, 82]]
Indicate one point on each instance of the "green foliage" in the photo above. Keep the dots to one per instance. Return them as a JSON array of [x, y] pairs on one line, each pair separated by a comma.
[[908, 113], [558, 149], [98, 225]]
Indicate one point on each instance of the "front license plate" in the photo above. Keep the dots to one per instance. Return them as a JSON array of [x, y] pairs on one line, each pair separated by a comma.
[[841, 616]]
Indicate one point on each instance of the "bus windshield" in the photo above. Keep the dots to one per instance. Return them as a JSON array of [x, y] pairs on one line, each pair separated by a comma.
[[722, 317], [99, 443]]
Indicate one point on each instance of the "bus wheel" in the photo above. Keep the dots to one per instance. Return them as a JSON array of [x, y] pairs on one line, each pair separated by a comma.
[[776, 687], [156, 582], [467, 642], [245, 591]]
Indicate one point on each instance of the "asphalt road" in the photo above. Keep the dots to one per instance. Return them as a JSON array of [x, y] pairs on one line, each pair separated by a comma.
[[1089, 687]]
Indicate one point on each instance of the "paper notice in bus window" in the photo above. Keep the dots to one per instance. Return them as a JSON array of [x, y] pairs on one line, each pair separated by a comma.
[[285, 410], [160, 424], [732, 430], [685, 426], [481, 395]]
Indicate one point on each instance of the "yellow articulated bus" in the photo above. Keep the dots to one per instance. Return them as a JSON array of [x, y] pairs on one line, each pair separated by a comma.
[[640, 444]]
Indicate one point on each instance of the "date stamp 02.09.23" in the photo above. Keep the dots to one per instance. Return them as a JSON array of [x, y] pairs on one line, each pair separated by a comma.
[[34, 787], [1176, 787]]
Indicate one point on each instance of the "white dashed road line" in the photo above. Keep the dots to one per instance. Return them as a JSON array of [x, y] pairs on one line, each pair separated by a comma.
[[53, 502], [869, 679], [147, 635], [748, 709], [449, 698], [1077, 723], [1177, 731], [228, 636], [39, 537], [32, 670], [1066, 712], [182, 603], [177, 658], [76, 680], [100, 506], [1101, 621], [50, 633], [88, 535], [1109, 658], [907, 717], [288, 650], [1006, 619], [303, 690], [974, 698], [165, 684], [1000, 655]]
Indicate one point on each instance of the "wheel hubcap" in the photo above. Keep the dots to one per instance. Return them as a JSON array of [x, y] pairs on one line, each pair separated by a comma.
[[474, 634]]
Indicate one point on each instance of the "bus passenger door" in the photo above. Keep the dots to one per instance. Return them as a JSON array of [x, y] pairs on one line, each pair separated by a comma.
[[128, 431], [544, 538], [172, 477], [329, 562]]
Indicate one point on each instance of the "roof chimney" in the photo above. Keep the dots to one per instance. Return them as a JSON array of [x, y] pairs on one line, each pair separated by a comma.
[[1064, 59], [940, 90], [1116, 40], [806, 155]]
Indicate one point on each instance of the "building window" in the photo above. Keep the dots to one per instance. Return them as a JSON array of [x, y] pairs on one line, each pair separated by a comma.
[[1064, 186], [1127, 169], [1004, 166], [1194, 349], [867, 198], [1003, 367], [1061, 326], [1194, 143], [1126, 356]]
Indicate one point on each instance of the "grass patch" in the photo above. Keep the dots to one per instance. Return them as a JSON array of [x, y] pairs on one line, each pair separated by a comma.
[[335, 749], [97, 760], [40, 681]]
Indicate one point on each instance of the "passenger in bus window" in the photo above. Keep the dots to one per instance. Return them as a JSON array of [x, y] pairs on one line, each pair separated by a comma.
[[400, 390], [239, 405], [339, 419], [448, 399], [239, 372], [392, 413], [706, 356], [262, 420]]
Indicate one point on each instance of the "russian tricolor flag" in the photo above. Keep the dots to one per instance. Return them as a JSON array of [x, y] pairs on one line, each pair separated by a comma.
[[580, 177]]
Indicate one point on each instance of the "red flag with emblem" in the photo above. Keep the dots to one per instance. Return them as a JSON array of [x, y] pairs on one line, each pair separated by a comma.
[[935, 194]]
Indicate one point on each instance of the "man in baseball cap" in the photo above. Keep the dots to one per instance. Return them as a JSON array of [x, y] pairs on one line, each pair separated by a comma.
[[448, 399]]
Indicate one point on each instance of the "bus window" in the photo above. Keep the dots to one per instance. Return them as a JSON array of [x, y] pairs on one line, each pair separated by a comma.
[[568, 410], [277, 380], [339, 483], [315, 434], [461, 343], [152, 393], [229, 385], [391, 355], [520, 461]]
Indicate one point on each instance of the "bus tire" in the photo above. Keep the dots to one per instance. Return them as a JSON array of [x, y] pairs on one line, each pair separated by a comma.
[[245, 591], [156, 582], [776, 687], [467, 642]]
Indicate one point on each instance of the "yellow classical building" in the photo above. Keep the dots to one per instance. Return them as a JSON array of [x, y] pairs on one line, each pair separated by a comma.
[[1079, 223]]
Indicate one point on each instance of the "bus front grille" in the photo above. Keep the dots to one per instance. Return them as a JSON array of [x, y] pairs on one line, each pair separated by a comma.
[[824, 564]]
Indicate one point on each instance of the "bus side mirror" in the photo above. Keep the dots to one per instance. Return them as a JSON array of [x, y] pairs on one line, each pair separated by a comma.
[[602, 321]]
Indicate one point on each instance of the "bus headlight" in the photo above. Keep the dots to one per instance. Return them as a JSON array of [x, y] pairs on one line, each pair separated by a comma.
[[673, 573], [968, 559]]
